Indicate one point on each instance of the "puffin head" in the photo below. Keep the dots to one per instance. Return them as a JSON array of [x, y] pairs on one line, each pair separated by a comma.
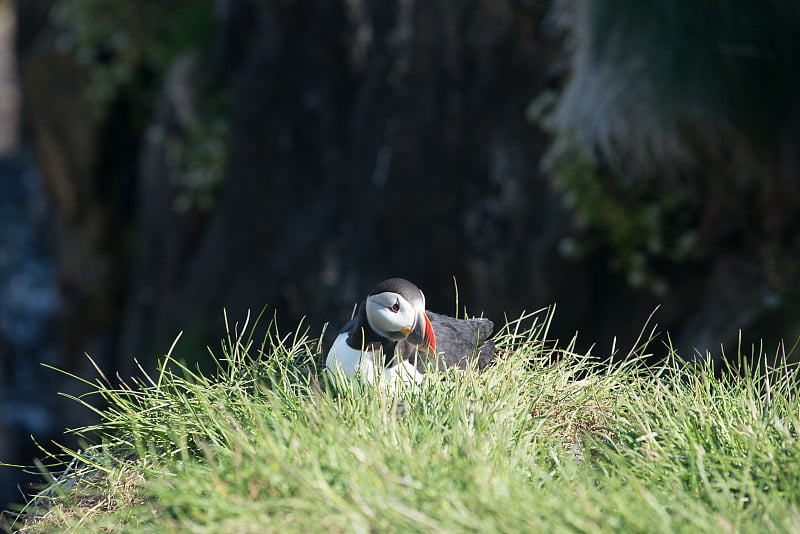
[[395, 310]]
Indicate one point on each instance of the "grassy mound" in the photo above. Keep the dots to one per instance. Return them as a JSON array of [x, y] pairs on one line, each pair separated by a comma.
[[543, 441]]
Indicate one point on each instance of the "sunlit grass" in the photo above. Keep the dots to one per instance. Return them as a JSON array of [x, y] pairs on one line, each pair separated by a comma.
[[544, 441]]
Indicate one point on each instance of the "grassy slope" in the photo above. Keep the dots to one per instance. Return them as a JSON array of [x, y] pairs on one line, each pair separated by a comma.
[[525, 446]]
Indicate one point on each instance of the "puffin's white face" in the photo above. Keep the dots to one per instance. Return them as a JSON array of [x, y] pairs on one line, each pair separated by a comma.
[[391, 315]]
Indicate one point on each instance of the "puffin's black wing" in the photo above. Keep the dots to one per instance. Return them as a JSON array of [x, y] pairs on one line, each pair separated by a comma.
[[460, 341]]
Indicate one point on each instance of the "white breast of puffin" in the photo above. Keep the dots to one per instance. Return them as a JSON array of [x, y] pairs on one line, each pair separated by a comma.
[[342, 358]]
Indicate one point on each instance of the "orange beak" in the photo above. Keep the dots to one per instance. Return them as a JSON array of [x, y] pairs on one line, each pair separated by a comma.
[[430, 337], [422, 334]]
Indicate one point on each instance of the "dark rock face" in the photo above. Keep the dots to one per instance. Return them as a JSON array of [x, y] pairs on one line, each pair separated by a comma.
[[89, 180], [363, 145]]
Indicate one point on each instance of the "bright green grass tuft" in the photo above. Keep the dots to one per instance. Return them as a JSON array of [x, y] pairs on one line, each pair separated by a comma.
[[542, 442]]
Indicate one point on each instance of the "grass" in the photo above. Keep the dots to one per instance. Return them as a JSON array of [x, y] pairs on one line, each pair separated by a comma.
[[544, 441]]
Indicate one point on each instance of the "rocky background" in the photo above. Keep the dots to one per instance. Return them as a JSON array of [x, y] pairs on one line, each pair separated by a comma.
[[177, 158]]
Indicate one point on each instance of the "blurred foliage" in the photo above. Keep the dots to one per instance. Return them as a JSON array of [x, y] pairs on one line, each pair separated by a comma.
[[730, 58], [647, 227], [197, 160], [127, 48], [673, 131], [117, 40]]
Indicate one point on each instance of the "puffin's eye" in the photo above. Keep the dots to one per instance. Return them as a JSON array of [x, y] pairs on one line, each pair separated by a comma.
[[395, 307]]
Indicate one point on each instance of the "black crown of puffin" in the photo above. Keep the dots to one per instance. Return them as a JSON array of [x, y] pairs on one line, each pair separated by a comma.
[[395, 310]]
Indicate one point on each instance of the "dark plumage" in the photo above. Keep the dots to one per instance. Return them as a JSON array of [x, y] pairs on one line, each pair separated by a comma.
[[459, 341]]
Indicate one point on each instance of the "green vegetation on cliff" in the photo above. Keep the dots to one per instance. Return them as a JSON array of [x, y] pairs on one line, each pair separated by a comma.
[[544, 441]]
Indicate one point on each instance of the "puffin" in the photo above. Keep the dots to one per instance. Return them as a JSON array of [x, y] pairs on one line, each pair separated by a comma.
[[393, 339]]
